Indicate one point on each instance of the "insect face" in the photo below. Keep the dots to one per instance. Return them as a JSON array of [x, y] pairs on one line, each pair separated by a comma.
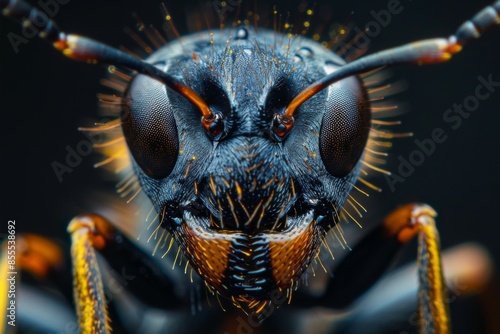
[[249, 206], [247, 142]]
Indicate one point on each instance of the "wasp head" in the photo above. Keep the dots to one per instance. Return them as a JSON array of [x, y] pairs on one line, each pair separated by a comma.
[[249, 199]]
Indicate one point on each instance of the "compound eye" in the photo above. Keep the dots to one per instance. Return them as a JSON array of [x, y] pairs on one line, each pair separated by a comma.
[[149, 127], [345, 127]]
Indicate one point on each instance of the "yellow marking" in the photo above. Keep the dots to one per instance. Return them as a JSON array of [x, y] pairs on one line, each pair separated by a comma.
[[188, 168], [355, 201], [239, 191], [131, 188], [119, 86], [355, 208], [133, 178], [377, 89], [311, 153], [268, 183], [325, 244], [379, 122], [379, 143], [429, 236], [374, 160], [249, 156], [244, 209], [159, 241], [377, 152], [254, 185], [369, 184], [113, 70], [149, 213], [212, 185], [125, 179], [293, 186], [271, 196], [290, 292], [383, 171], [207, 262], [226, 183], [260, 217], [231, 206], [109, 143], [350, 216], [382, 134], [308, 166], [248, 147], [89, 293], [364, 172], [361, 191], [249, 169], [108, 126], [221, 210], [336, 236], [261, 308], [342, 234], [385, 108], [254, 213], [108, 160], [374, 99], [176, 257]]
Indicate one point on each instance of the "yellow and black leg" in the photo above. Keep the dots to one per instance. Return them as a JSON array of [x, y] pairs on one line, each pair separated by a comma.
[[404, 224], [366, 263], [92, 234], [88, 233]]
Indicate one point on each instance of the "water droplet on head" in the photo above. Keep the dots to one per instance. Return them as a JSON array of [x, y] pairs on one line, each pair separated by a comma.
[[241, 33]]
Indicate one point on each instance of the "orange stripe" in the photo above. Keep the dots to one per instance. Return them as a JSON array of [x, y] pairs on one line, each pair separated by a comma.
[[292, 252], [207, 253]]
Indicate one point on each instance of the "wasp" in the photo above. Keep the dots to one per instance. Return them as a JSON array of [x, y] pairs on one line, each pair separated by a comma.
[[248, 144]]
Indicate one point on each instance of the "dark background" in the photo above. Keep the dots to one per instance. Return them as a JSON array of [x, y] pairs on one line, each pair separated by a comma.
[[44, 97]]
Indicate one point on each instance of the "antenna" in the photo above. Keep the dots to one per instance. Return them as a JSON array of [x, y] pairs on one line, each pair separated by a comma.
[[93, 52], [423, 52]]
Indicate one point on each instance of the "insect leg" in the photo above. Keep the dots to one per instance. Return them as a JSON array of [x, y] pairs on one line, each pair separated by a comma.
[[433, 309], [135, 269], [405, 223], [88, 288], [389, 307], [377, 250]]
